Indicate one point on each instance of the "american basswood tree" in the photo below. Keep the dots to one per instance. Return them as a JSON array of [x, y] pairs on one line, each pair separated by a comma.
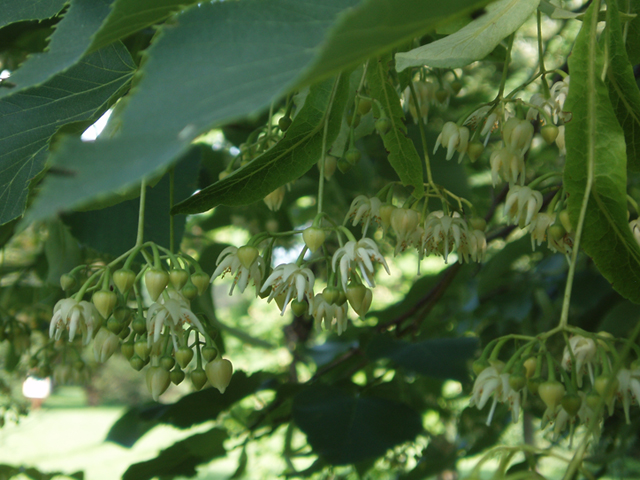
[[425, 213]]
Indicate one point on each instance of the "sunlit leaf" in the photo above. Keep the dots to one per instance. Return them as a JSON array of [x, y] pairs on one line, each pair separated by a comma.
[[474, 41], [595, 142]]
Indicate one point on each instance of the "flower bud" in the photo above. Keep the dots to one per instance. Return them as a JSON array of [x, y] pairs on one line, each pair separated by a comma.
[[313, 238], [386, 211], [189, 291], [167, 362], [201, 281], [571, 403], [184, 356], [517, 135], [105, 301], [209, 353], [124, 279], [359, 298], [139, 325], [330, 165], [219, 373], [530, 366], [383, 125], [126, 349], [601, 384], [299, 308], [353, 156], [136, 363], [156, 281], [331, 294], [178, 277], [247, 255], [67, 282], [142, 349], [474, 150], [551, 393], [176, 376], [158, 381], [198, 378], [549, 134]]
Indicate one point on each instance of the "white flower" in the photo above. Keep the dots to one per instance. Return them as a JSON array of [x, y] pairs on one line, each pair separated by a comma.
[[506, 165], [628, 389], [275, 198], [329, 315], [490, 124], [404, 223], [584, 352], [69, 314], [522, 204], [473, 246], [172, 310], [559, 92], [442, 233], [365, 209], [455, 138], [546, 104], [291, 281], [560, 141], [517, 135], [228, 262], [361, 253], [426, 94], [538, 228], [489, 384]]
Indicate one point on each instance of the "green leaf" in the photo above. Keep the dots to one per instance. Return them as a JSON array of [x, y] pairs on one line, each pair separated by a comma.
[[595, 142], [62, 251], [129, 16], [474, 41], [28, 119], [344, 428], [623, 89], [291, 158], [241, 56], [403, 156], [68, 44], [181, 458], [633, 31], [190, 410], [21, 10], [374, 27], [113, 230], [444, 358]]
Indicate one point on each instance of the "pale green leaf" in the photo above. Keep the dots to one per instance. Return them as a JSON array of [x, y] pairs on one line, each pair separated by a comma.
[[21, 10], [28, 119], [129, 16], [473, 42], [623, 89], [403, 156], [291, 158], [67, 45], [595, 140]]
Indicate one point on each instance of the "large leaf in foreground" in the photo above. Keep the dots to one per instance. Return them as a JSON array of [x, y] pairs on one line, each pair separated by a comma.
[[474, 41], [623, 89], [224, 60], [20, 10], [28, 119], [291, 158], [344, 428], [403, 156], [596, 155], [68, 44]]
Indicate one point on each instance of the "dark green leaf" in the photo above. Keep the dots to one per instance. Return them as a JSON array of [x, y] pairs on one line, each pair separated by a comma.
[[403, 156], [62, 251], [595, 141], [190, 410], [633, 32], [291, 158], [114, 229], [20, 10], [444, 358], [343, 428], [623, 89], [28, 119], [181, 458], [495, 273], [129, 16], [68, 44]]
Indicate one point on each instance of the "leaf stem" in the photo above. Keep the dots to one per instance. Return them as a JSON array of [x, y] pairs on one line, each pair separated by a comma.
[[505, 69], [143, 199], [323, 152]]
